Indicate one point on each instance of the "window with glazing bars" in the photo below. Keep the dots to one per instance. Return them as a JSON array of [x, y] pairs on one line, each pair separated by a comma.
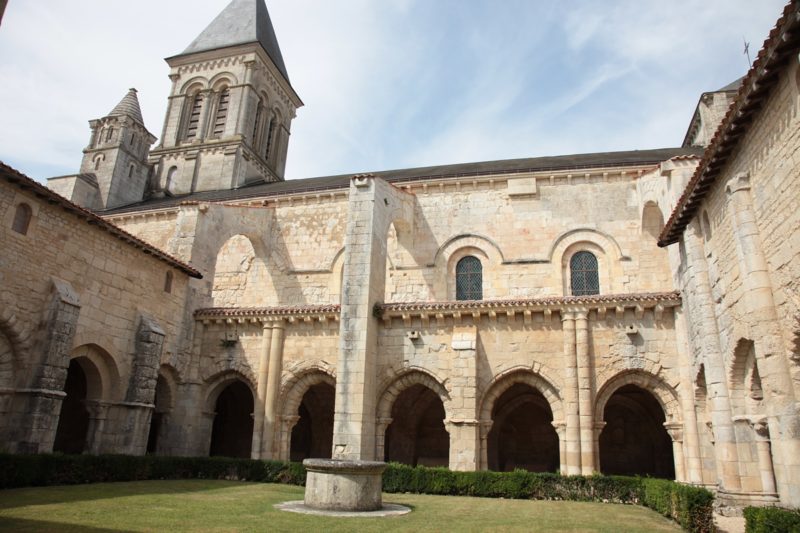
[[469, 279], [583, 274]]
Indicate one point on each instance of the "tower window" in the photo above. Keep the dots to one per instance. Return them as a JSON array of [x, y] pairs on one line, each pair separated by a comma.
[[469, 279], [194, 117], [270, 136], [109, 134], [130, 171], [22, 219], [584, 278], [222, 112], [257, 124]]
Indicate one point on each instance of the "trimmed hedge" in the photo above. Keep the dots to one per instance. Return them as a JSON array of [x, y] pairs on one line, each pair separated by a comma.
[[771, 520], [687, 505]]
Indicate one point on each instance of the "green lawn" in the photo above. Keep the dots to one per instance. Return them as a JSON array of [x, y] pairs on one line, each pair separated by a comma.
[[198, 505]]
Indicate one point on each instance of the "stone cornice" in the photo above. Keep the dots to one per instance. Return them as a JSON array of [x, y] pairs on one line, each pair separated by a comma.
[[425, 311]]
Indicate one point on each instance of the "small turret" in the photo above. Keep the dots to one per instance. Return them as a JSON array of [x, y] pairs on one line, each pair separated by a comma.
[[114, 171]]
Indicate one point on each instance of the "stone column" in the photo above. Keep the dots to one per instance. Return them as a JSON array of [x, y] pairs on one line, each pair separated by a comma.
[[561, 430], [380, 437], [675, 430], [571, 397], [761, 430], [464, 444], [205, 111], [694, 472], [462, 424], [244, 100], [287, 425], [261, 390], [484, 427], [698, 296], [598, 429], [273, 388], [98, 414], [762, 315], [585, 390]]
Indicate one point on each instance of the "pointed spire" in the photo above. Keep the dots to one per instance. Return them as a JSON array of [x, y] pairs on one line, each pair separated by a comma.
[[241, 22], [128, 106]]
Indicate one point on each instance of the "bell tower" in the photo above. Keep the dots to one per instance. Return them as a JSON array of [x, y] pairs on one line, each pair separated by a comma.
[[230, 107]]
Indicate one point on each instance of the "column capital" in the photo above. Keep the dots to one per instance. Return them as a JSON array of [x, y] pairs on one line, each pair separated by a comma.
[[581, 315], [560, 426], [675, 430], [740, 182], [567, 316]]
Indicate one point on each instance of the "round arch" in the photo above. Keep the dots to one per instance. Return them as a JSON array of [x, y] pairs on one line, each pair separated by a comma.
[[504, 381], [296, 386], [218, 382], [661, 391], [404, 380]]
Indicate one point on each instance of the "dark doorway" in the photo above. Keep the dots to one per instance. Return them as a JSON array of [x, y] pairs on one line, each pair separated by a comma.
[[312, 436], [73, 422], [232, 433], [634, 441], [522, 434], [417, 435], [160, 413]]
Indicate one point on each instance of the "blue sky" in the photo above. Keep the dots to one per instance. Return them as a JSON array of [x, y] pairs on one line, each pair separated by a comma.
[[391, 83]]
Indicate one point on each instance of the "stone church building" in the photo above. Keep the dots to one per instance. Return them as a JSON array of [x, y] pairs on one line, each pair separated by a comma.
[[627, 313]]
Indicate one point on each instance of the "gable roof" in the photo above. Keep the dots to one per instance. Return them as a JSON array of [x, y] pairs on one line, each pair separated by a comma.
[[783, 42], [24, 182], [508, 166], [241, 22]]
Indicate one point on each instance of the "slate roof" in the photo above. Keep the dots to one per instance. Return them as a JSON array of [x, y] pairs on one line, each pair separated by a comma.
[[507, 166], [732, 86], [241, 22], [128, 106], [782, 45]]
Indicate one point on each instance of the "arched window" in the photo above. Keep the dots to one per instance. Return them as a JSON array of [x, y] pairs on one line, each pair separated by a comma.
[[168, 282], [193, 123], [584, 278], [130, 171], [22, 219], [469, 279], [222, 112], [109, 134], [270, 136], [170, 176], [257, 124]]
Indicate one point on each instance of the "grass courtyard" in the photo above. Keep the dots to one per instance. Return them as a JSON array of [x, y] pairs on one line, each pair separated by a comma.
[[227, 506]]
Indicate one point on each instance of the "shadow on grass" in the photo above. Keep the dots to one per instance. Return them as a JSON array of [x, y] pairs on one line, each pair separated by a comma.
[[24, 525], [30, 496]]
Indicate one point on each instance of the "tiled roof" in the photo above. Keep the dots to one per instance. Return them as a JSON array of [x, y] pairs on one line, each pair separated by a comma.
[[508, 166], [24, 182], [783, 42]]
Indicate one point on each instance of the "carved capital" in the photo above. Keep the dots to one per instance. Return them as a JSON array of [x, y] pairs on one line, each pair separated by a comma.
[[740, 182], [675, 430]]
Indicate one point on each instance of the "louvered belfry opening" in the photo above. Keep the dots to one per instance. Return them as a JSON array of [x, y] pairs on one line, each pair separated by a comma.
[[222, 112], [194, 117]]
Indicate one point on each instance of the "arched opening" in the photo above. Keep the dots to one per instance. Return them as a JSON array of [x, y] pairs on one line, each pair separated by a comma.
[[233, 271], [417, 435], [469, 278], [312, 436], [232, 432], [73, 421], [634, 440], [158, 420], [522, 434], [584, 276]]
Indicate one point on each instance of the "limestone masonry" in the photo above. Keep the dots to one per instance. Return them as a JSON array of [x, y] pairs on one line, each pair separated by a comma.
[[626, 313]]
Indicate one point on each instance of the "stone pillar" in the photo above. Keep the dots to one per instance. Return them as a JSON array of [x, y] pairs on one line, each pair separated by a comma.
[[287, 425], [598, 429], [675, 430], [205, 111], [694, 473], [701, 303], [763, 317], [146, 360], [761, 430], [273, 388], [380, 437], [484, 427], [462, 424], [98, 414], [372, 206], [561, 430], [585, 393], [571, 396], [244, 100], [261, 390]]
